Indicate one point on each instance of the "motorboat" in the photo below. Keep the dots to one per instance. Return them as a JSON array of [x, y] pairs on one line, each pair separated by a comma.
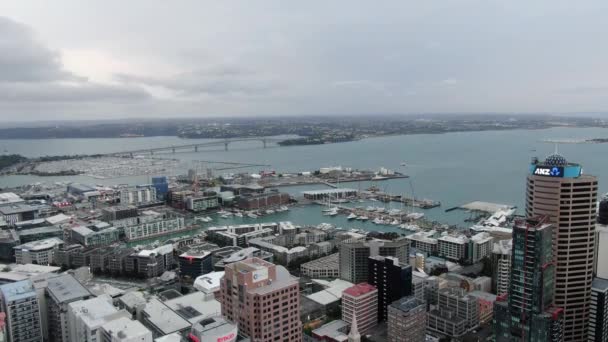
[[352, 216], [252, 215], [238, 214]]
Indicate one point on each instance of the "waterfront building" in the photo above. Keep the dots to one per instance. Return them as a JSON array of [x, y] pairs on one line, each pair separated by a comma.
[[528, 304], [407, 320], [139, 195], [392, 279], [452, 247], [118, 213], [161, 186], [480, 247], [560, 190], [22, 308], [18, 212], [333, 194], [125, 330], [239, 235], [86, 317], [60, 292], [501, 266], [37, 252], [354, 256], [202, 202], [93, 236], [152, 223], [266, 306], [360, 301], [424, 242], [263, 200], [598, 318], [325, 267]]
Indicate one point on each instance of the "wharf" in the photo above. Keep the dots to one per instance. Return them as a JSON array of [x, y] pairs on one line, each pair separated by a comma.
[[408, 201], [327, 181], [480, 206]]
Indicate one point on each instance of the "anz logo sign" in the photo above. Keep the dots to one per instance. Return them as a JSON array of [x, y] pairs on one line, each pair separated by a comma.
[[554, 171]]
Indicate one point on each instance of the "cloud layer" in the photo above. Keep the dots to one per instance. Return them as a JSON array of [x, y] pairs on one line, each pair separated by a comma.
[[111, 59]]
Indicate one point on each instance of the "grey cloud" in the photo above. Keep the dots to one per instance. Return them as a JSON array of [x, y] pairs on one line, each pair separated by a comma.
[[222, 80], [82, 92], [30, 72], [24, 59]]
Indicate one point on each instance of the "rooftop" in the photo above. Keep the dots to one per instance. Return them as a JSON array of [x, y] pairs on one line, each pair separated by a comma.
[[18, 290], [600, 284], [132, 299], [163, 318], [40, 244], [39, 230], [406, 304], [481, 237], [359, 289], [176, 337], [333, 330], [328, 191], [124, 328], [503, 247], [16, 208], [66, 288], [9, 197], [94, 311], [332, 293], [164, 249], [213, 326], [460, 239], [209, 282]]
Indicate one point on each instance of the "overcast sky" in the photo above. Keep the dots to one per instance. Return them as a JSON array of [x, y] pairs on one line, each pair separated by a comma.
[[95, 59]]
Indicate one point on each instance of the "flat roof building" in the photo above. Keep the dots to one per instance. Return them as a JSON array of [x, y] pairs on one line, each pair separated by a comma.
[[86, 317], [360, 302], [263, 286], [407, 320], [60, 292], [22, 308], [125, 330], [39, 252]]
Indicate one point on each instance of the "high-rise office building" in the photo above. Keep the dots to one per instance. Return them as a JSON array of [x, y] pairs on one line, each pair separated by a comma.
[[598, 318], [360, 301], [528, 304], [559, 190], [501, 266], [354, 254], [20, 303], [263, 300], [60, 292], [392, 279], [407, 320]]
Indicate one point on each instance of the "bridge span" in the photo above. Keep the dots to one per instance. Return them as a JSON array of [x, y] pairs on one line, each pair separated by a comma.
[[193, 147]]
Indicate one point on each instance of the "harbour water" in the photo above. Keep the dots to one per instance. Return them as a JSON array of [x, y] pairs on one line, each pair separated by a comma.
[[453, 168]]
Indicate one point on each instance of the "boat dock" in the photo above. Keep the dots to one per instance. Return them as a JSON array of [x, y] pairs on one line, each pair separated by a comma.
[[408, 201]]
